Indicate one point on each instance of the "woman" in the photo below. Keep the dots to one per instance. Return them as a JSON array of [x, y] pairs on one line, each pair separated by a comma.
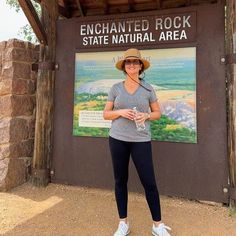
[[126, 140]]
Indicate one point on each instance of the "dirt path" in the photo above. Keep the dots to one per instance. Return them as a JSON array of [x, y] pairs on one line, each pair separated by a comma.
[[72, 211]]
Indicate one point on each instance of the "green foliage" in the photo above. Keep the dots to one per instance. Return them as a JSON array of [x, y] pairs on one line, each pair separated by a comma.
[[160, 133], [14, 4], [91, 132], [86, 97], [26, 32]]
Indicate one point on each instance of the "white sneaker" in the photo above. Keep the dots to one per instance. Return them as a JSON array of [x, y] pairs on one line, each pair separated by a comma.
[[123, 229], [161, 230]]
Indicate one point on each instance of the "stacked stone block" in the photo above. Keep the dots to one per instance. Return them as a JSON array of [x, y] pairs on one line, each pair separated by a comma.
[[17, 111]]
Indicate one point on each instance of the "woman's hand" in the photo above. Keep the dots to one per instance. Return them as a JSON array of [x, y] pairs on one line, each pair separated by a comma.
[[127, 113], [110, 114], [141, 117]]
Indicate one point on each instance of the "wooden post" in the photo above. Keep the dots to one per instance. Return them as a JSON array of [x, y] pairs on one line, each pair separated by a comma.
[[44, 97], [231, 92]]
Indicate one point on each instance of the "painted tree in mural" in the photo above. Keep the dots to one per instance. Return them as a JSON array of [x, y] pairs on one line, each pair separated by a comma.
[[26, 31]]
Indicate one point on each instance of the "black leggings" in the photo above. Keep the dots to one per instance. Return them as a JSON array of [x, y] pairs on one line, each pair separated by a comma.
[[141, 154]]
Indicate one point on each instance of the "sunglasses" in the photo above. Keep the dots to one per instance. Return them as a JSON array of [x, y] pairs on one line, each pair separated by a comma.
[[134, 62]]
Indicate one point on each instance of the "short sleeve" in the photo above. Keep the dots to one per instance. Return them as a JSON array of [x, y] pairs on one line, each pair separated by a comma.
[[111, 94], [153, 96]]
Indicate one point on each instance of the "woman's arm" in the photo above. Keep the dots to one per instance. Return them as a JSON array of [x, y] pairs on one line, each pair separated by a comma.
[[109, 114], [155, 113]]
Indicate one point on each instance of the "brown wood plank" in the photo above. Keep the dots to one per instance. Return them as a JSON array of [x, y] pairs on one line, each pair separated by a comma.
[[231, 93], [159, 4], [34, 20], [105, 7], [122, 6], [61, 3], [64, 11], [80, 8], [131, 5], [173, 4], [146, 6]]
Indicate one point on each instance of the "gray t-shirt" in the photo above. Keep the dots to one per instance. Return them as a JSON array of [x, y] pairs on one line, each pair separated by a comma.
[[125, 129]]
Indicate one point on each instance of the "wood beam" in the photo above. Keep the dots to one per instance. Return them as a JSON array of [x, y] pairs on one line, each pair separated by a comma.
[[34, 20], [81, 11], [63, 11], [188, 2], [131, 5], [62, 8], [123, 8], [231, 99], [159, 4], [105, 6]]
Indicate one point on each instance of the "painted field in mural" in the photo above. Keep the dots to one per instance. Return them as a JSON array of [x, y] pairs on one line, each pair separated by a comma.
[[172, 74]]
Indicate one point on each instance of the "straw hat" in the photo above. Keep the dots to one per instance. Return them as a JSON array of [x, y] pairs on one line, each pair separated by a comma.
[[132, 53]]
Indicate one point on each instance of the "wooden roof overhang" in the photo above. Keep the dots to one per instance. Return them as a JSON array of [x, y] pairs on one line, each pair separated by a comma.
[[83, 8]]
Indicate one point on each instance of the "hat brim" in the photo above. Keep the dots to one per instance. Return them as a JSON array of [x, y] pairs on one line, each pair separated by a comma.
[[146, 64]]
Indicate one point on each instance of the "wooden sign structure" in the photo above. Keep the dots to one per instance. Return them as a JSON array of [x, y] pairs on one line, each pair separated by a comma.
[[231, 97], [45, 30]]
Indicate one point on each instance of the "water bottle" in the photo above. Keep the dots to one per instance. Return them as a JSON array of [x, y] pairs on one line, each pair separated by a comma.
[[139, 126]]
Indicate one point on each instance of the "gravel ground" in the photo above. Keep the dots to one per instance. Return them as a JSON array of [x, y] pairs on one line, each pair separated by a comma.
[[74, 211]]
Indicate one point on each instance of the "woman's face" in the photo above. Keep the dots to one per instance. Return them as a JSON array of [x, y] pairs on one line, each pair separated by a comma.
[[132, 66]]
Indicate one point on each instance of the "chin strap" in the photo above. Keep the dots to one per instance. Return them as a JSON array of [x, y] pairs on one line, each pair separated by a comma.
[[149, 90]]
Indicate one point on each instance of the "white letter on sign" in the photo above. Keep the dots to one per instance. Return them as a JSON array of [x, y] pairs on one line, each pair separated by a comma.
[[177, 18], [185, 21]]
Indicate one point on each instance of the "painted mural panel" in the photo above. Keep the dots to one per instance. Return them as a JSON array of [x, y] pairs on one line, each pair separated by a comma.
[[172, 74]]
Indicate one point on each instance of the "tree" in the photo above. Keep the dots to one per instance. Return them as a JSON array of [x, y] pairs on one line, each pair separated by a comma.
[[26, 31]]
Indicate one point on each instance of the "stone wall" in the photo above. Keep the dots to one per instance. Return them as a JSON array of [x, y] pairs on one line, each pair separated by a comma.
[[17, 111]]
